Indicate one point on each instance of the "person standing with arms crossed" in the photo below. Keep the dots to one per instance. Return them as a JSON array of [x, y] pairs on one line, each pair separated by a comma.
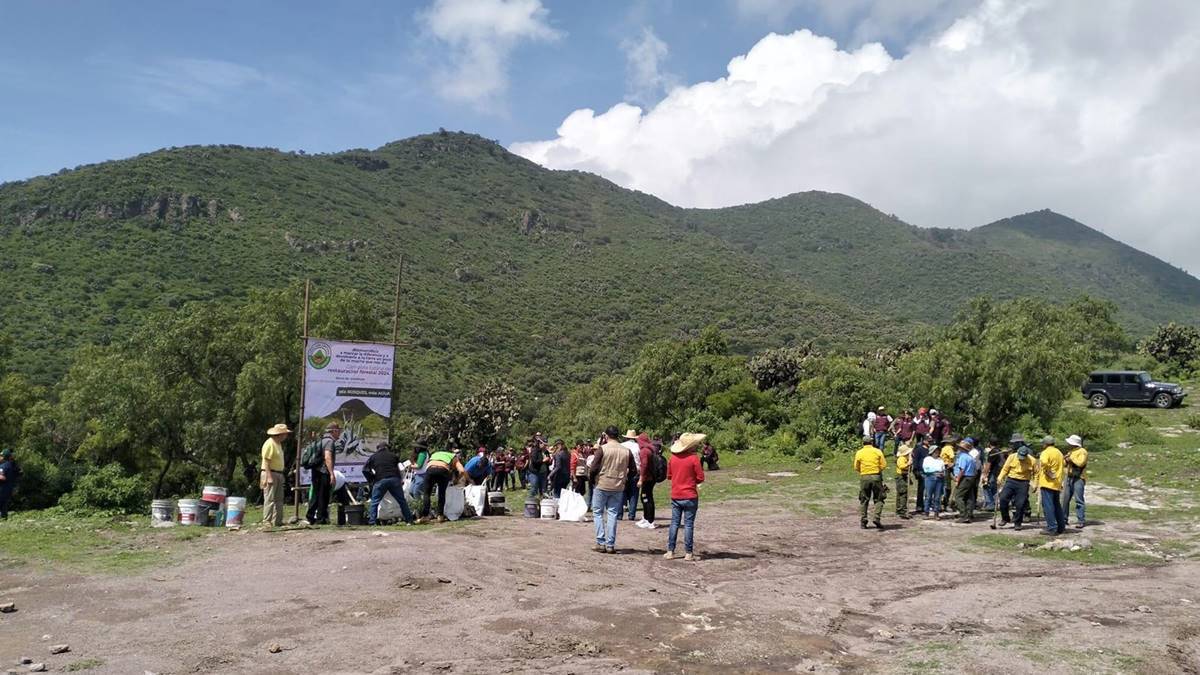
[[271, 477]]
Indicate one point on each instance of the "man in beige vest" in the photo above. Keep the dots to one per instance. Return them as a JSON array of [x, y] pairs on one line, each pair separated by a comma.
[[609, 471]]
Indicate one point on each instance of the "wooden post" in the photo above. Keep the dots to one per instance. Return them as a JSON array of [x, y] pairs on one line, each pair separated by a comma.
[[300, 422], [395, 338]]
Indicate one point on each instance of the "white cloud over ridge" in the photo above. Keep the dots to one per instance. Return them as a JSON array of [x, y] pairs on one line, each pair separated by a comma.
[[481, 35], [1088, 109], [644, 58]]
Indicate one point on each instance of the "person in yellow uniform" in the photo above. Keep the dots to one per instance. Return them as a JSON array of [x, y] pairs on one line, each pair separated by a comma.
[[869, 463], [271, 477], [1014, 481], [1076, 478], [904, 461], [1050, 483], [948, 455]]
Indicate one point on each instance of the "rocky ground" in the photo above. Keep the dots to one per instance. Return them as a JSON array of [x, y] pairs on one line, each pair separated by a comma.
[[776, 591]]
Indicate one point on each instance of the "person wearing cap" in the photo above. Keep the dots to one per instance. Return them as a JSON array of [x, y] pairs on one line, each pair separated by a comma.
[[904, 461], [686, 474], [322, 476], [646, 479], [632, 490], [966, 477], [883, 422], [993, 459], [934, 472], [948, 456], [382, 470], [1050, 482], [869, 464], [478, 468], [10, 475], [271, 474], [609, 473], [1014, 479], [919, 453], [1076, 466]]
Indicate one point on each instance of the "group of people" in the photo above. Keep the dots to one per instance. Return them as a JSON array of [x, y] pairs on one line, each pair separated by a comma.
[[615, 474], [951, 472]]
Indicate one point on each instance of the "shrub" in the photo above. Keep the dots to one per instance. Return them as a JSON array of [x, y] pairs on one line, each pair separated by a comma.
[[107, 489], [737, 435], [1143, 436], [1131, 419], [1193, 421]]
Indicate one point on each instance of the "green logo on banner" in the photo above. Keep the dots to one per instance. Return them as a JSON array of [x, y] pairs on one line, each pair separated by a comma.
[[319, 355]]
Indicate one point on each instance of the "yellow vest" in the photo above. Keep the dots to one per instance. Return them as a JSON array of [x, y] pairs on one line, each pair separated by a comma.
[[869, 461], [1050, 469], [1017, 468], [903, 464]]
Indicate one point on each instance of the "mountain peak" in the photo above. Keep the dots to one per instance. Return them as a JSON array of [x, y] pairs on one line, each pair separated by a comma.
[[1047, 224]]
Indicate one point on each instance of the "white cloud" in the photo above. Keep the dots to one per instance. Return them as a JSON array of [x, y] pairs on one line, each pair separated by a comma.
[[863, 20], [176, 84], [481, 35], [1018, 105], [644, 58]]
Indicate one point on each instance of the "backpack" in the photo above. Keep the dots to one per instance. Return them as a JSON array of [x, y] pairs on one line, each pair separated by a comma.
[[313, 455], [659, 464]]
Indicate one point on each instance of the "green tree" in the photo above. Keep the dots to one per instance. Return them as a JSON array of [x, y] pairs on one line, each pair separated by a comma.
[[1173, 344]]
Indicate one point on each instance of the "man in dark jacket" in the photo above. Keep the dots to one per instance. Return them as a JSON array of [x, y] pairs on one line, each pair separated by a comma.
[[9, 475], [383, 471], [323, 476]]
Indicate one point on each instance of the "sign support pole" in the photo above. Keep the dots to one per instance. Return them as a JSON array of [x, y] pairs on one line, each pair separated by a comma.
[[395, 337], [300, 422]]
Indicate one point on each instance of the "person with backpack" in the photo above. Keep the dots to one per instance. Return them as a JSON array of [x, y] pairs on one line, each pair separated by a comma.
[[320, 464], [10, 475], [539, 468], [382, 470], [271, 478], [686, 474], [653, 471]]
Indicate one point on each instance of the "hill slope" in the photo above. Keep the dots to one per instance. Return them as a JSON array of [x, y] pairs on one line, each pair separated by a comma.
[[543, 277]]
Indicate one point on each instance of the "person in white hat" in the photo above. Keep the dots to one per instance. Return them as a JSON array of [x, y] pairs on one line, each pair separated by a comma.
[[686, 475], [271, 479], [1075, 480]]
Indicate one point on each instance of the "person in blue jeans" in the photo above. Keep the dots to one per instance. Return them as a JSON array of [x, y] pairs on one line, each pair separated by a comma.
[[383, 471], [935, 482], [609, 470], [686, 475]]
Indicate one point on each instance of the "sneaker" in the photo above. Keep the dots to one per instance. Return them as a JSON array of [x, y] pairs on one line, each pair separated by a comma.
[[1048, 533], [609, 549], [1018, 528], [864, 525], [441, 519], [878, 525], [598, 548], [651, 526], [690, 557], [1079, 526], [669, 555]]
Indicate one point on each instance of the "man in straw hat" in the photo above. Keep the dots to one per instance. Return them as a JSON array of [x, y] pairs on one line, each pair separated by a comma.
[[1076, 466], [1014, 480], [632, 489], [609, 472], [869, 464], [966, 478], [271, 478], [1050, 482], [686, 474], [904, 461]]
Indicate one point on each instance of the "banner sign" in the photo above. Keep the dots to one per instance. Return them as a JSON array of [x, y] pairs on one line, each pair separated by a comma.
[[349, 383]]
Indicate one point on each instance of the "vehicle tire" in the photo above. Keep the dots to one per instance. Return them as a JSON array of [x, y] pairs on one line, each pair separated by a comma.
[[1163, 401], [1099, 401]]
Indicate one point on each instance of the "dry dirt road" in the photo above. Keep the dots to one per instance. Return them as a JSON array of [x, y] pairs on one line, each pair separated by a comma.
[[775, 592]]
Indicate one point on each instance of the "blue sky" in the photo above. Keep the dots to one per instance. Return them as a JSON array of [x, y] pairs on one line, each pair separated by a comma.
[[90, 81]]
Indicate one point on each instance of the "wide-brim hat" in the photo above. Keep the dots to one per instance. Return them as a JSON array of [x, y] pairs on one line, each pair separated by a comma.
[[1017, 438], [686, 442], [904, 451], [333, 426], [279, 430], [1075, 440], [630, 434]]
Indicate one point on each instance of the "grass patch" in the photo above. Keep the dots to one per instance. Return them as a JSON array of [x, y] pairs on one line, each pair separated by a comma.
[[1101, 553], [83, 664]]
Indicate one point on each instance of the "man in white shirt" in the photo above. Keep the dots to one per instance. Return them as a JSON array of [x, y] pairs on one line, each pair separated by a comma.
[[631, 486]]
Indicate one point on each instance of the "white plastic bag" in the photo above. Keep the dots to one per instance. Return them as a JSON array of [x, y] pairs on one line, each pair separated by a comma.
[[455, 502], [389, 508], [572, 507], [476, 498]]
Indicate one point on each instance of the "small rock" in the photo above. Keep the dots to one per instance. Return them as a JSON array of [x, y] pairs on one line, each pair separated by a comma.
[[1144, 609], [886, 634], [380, 534], [344, 568], [1185, 601], [359, 615], [275, 648], [443, 580], [37, 668], [60, 649], [46, 637], [1076, 548], [1085, 544], [8, 607]]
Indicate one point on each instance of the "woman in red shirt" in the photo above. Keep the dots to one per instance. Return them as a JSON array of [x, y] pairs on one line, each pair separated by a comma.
[[685, 473]]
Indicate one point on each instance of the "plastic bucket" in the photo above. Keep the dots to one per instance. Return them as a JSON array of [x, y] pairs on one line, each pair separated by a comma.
[[162, 511], [192, 512], [235, 510], [496, 498], [354, 514], [532, 509], [549, 509], [213, 493]]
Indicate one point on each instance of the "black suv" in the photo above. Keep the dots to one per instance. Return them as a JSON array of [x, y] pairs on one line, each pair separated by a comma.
[[1130, 387]]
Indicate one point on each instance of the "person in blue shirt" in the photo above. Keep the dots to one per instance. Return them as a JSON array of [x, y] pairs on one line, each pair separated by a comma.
[[10, 473], [478, 468], [966, 478]]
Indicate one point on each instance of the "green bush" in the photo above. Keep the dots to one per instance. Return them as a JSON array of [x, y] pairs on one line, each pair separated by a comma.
[[782, 443], [1131, 419], [107, 489], [814, 449], [1096, 430], [1143, 436], [738, 434], [1193, 421]]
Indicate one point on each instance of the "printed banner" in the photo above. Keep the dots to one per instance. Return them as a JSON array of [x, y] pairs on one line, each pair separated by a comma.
[[349, 383]]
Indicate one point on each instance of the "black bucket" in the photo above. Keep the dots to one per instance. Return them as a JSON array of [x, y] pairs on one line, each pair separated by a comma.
[[351, 514], [213, 508]]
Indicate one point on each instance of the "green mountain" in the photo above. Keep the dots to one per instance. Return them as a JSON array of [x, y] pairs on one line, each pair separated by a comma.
[[543, 277]]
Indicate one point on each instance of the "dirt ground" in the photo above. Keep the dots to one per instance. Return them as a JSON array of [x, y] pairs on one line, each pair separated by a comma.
[[775, 592]]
